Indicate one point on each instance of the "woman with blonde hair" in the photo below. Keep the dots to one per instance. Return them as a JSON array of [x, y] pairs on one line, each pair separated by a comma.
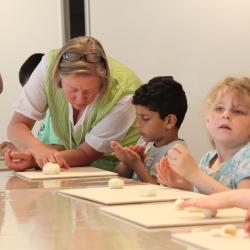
[[89, 99]]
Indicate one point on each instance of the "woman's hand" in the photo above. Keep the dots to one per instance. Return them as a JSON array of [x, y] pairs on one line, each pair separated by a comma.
[[5, 146], [47, 153], [19, 161]]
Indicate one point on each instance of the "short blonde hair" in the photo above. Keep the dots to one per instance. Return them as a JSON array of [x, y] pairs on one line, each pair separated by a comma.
[[240, 86], [82, 45]]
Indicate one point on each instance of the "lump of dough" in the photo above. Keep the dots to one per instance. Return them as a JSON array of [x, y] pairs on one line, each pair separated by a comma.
[[51, 168], [177, 203], [148, 191], [116, 183], [209, 213], [228, 230]]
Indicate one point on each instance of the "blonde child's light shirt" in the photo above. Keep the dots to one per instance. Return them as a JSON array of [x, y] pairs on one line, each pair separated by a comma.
[[232, 171], [33, 104]]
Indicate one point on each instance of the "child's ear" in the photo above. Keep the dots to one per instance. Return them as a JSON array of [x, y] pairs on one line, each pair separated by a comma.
[[207, 120], [170, 121]]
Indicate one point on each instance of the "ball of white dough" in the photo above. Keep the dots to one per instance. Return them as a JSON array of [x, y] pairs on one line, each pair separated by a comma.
[[51, 168], [148, 191], [177, 203], [209, 213], [228, 230], [116, 183]]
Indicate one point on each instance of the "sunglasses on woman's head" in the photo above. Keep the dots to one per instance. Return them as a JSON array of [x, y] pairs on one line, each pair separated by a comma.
[[75, 56]]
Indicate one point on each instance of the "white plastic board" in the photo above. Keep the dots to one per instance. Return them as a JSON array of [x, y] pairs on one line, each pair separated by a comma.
[[128, 194], [204, 240], [71, 173], [164, 215]]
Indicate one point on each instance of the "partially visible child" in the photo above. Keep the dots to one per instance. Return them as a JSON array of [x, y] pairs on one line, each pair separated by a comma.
[[160, 107], [1, 84], [46, 132], [28, 67], [233, 198], [228, 124]]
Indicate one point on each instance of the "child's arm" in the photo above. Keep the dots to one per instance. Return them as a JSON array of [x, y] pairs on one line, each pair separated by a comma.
[[182, 162], [132, 160], [245, 183], [168, 177], [123, 170], [233, 198]]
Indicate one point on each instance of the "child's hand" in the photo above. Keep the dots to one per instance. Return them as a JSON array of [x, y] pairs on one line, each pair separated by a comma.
[[126, 155], [181, 161], [169, 177], [140, 150]]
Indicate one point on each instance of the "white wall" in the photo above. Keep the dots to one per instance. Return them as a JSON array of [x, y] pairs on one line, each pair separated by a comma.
[[26, 27], [199, 42]]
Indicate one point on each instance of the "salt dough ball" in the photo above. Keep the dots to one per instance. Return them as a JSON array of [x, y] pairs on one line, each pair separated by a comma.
[[209, 213], [148, 191], [177, 204], [51, 168], [116, 183], [228, 230]]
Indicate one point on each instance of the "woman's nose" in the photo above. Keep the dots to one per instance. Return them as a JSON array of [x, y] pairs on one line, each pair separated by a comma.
[[80, 97]]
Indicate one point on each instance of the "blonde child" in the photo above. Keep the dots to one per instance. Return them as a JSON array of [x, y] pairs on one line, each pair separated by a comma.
[[228, 123], [160, 107], [233, 198]]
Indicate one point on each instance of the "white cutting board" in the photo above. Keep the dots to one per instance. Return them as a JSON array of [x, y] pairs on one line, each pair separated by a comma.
[[128, 194], [164, 215], [71, 173], [204, 241]]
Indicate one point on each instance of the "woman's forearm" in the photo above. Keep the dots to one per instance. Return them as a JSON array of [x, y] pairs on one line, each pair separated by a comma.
[[20, 133], [82, 156]]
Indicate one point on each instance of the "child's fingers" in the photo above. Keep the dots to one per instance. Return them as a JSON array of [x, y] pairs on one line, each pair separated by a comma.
[[115, 144]]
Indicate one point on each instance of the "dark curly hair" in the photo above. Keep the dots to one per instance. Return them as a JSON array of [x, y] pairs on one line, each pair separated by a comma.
[[164, 95], [28, 67]]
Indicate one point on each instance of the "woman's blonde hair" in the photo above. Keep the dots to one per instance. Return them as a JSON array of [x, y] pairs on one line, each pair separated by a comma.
[[82, 45], [240, 86]]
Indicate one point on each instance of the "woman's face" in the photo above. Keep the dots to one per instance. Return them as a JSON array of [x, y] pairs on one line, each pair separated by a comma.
[[80, 90]]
